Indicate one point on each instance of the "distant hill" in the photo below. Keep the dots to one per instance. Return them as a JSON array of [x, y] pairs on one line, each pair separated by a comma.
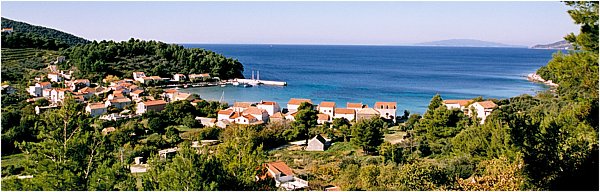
[[564, 44], [465, 43], [21, 27]]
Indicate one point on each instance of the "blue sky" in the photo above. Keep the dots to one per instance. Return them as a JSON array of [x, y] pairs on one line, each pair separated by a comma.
[[378, 23]]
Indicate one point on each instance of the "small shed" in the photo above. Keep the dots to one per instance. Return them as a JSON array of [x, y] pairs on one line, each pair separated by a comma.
[[317, 143]]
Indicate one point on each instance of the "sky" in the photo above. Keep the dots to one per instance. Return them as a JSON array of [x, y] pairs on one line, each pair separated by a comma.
[[362, 23]]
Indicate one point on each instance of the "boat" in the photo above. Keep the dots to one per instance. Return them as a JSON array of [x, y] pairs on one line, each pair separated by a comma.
[[185, 86], [235, 83], [223, 85], [247, 85]]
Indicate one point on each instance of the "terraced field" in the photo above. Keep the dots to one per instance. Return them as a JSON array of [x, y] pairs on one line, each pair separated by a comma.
[[21, 64]]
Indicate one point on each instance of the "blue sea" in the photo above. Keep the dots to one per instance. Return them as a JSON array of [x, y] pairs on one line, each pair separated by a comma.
[[408, 75]]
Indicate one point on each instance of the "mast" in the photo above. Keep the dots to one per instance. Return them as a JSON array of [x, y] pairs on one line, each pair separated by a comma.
[[252, 74], [257, 75], [222, 95]]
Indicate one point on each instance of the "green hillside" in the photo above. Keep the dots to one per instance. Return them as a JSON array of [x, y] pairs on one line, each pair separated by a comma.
[[48, 33]]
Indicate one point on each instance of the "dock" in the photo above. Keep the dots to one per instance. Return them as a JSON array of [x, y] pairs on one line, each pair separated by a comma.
[[261, 82]]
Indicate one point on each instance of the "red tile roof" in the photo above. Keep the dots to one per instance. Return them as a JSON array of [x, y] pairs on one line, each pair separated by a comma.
[[296, 101], [96, 105], [487, 104], [226, 112], [280, 167], [354, 105], [254, 111], [277, 115], [137, 92], [463, 102], [120, 100], [327, 104], [44, 83], [154, 102], [242, 104], [171, 91], [323, 117], [344, 111], [385, 105], [268, 103]]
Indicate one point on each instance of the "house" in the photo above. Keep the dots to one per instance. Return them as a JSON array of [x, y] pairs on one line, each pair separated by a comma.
[[79, 83], [183, 96], [271, 106], [317, 143], [366, 113], [355, 106], [107, 130], [458, 104], [199, 77], [138, 76], [7, 89], [224, 114], [155, 105], [483, 109], [55, 77], [259, 114], [277, 117], [136, 95], [167, 153], [283, 175], [386, 110], [169, 94], [119, 102], [95, 109], [112, 117], [207, 122], [327, 108], [36, 90], [47, 92], [57, 95], [87, 92], [349, 114], [7, 30], [294, 103], [291, 115], [222, 123], [179, 77], [240, 106], [240, 118], [322, 118]]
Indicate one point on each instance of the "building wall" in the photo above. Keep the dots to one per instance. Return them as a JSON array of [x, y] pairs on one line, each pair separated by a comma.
[[327, 110], [315, 145], [386, 113], [350, 117]]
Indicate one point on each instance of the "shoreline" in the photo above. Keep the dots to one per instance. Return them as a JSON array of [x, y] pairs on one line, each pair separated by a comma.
[[534, 77]]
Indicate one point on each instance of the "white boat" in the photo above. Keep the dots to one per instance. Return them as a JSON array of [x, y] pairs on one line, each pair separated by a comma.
[[235, 83], [223, 85], [247, 85]]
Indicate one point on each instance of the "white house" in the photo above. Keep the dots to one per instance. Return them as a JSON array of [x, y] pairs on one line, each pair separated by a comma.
[[271, 106], [317, 143], [294, 103], [483, 109], [202, 77], [386, 110], [349, 114], [322, 118], [284, 176], [458, 104], [258, 113], [183, 96], [36, 90], [138, 76], [207, 122], [55, 77], [58, 95], [179, 77], [155, 105], [327, 108], [96, 109], [119, 102], [136, 95], [224, 114], [79, 83], [239, 118]]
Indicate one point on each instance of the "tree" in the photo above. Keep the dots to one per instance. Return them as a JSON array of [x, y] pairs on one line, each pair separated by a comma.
[[435, 102], [342, 125], [187, 171], [305, 119], [367, 134]]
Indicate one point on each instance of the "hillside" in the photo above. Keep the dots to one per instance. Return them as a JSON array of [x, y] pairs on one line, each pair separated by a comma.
[[465, 43], [556, 45], [48, 33]]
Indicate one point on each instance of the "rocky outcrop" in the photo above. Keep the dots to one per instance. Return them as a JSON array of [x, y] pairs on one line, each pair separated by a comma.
[[537, 78]]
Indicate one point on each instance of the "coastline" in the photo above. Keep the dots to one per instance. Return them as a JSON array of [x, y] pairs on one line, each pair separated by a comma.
[[534, 77]]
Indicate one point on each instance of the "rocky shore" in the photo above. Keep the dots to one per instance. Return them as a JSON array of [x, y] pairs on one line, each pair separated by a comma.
[[537, 78]]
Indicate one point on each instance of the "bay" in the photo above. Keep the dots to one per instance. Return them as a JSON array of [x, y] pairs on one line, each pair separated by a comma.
[[408, 75]]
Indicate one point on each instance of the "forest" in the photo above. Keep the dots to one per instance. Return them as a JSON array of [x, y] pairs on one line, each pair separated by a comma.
[[43, 32], [98, 59], [544, 142]]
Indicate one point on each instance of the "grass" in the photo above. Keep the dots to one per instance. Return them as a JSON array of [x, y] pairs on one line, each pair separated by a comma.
[[396, 137], [14, 159]]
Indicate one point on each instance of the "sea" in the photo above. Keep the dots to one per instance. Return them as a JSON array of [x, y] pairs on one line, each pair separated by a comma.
[[408, 75]]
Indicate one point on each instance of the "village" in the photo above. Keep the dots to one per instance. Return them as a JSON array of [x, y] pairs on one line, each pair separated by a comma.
[[129, 98]]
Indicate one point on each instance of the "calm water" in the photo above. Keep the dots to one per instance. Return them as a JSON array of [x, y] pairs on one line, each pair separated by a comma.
[[404, 74]]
